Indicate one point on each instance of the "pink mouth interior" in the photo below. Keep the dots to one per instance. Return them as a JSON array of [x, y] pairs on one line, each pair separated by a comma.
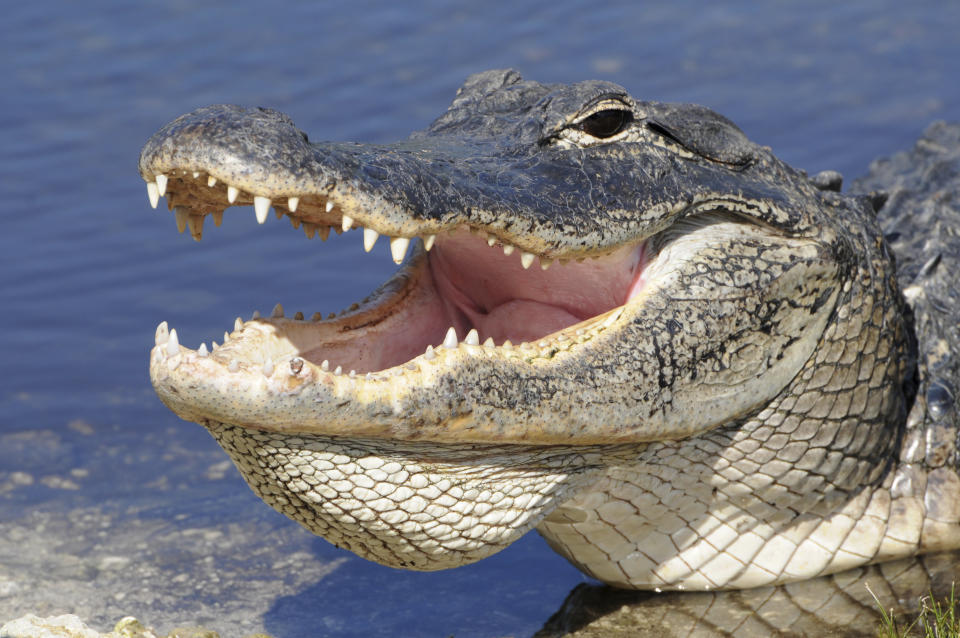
[[471, 285]]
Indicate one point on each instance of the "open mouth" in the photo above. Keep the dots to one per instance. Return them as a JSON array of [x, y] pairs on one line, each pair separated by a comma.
[[456, 286]]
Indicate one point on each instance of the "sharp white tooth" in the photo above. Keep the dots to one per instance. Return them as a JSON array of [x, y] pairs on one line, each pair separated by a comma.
[[325, 366], [473, 338], [213, 345], [329, 206], [292, 204], [232, 192], [429, 354], [153, 193], [526, 259], [488, 343], [233, 366], [226, 338], [507, 345], [173, 345], [310, 230], [347, 223], [353, 373], [317, 316], [277, 312], [181, 215], [428, 241], [238, 325], [268, 368], [261, 206], [491, 240], [508, 249], [217, 218], [369, 238], [161, 185], [338, 370], [202, 350], [398, 248], [256, 314], [450, 339], [195, 222], [162, 334], [545, 263], [211, 181], [196, 174]]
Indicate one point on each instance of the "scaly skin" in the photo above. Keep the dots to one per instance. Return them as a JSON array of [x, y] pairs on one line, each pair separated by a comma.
[[716, 398]]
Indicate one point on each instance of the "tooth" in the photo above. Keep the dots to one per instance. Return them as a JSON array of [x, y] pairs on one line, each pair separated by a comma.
[[202, 350], [162, 334], [181, 215], [298, 316], [277, 312], [233, 366], [508, 249], [153, 193], [338, 370], [353, 373], [526, 259], [325, 366], [256, 314], [347, 221], [429, 354], [238, 324], [226, 338], [324, 232], [261, 205], [292, 204], [173, 345], [213, 345], [211, 181], [329, 206], [507, 345], [195, 222], [268, 368], [398, 247], [428, 241], [309, 230], [450, 340], [196, 174], [545, 263], [232, 193], [317, 316], [161, 185], [473, 338], [369, 238], [488, 343], [294, 221], [217, 218], [491, 240]]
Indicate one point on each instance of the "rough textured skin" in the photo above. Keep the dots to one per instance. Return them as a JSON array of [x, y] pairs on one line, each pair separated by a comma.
[[767, 408]]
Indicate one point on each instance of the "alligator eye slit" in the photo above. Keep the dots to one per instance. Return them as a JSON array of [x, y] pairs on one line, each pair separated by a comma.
[[606, 123]]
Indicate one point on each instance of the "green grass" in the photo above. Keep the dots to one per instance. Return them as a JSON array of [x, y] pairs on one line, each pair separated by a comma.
[[935, 619]]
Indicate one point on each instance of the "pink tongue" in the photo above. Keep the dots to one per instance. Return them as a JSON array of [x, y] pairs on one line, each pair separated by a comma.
[[484, 289]]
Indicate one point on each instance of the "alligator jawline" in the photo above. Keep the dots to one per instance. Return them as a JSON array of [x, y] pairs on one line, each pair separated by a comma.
[[471, 287]]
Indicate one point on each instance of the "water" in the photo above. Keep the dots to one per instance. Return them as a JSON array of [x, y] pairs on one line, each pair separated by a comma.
[[111, 505]]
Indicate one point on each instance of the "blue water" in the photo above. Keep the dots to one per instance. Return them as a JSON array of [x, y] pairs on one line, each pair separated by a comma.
[[87, 269]]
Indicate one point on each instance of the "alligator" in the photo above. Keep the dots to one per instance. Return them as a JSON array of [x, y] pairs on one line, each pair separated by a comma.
[[622, 322]]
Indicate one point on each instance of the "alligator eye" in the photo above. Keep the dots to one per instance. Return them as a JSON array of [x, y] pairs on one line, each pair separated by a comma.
[[606, 123]]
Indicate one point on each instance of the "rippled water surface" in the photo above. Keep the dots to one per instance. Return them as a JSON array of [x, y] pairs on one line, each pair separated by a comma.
[[111, 505]]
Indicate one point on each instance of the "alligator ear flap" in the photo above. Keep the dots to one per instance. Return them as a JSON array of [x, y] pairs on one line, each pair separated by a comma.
[[704, 132]]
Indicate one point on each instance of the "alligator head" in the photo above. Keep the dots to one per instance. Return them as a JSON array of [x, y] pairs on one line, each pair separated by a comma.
[[610, 297]]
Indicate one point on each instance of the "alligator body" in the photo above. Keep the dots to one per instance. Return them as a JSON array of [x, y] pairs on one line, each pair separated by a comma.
[[687, 364]]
